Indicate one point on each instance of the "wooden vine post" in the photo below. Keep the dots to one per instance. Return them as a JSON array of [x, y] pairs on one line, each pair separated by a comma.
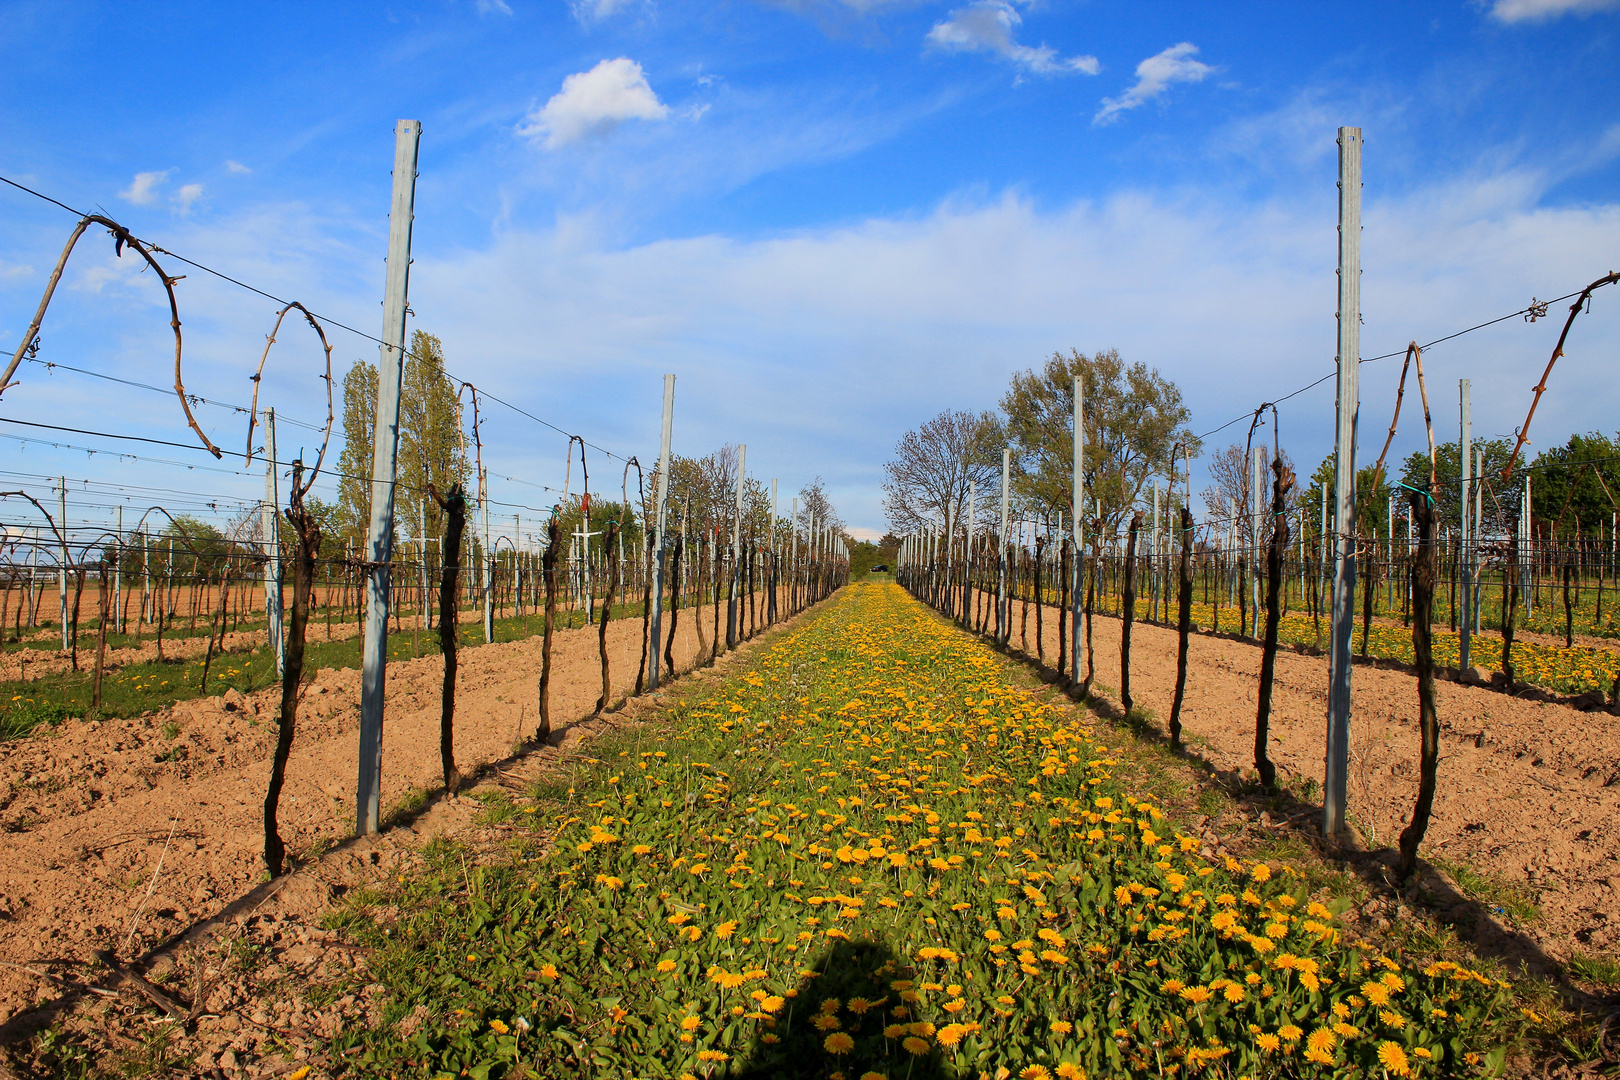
[[1183, 625], [1276, 551], [454, 505], [1040, 549], [608, 538], [1091, 598], [548, 570], [1128, 613]]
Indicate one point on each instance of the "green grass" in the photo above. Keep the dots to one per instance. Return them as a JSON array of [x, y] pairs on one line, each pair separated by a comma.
[[1502, 897], [1597, 969], [140, 688], [821, 864]]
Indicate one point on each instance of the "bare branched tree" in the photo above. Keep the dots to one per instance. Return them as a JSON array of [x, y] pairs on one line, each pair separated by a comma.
[[935, 467]]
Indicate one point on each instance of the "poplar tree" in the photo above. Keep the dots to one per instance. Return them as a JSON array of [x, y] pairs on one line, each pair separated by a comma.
[[354, 464], [432, 449]]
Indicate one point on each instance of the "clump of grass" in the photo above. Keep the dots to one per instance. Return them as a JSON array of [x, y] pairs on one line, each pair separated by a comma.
[[1603, 970], [1502, 897], [24, 716]]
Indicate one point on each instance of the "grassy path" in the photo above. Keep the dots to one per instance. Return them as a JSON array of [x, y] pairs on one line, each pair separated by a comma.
[[872, 854]]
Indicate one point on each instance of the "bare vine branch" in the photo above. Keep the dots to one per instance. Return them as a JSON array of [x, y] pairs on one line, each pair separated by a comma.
[[253, 408], [1558, 350], [121, 237]]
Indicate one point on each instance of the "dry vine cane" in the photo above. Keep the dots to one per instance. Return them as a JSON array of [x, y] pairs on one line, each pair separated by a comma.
[[307, 533], [454, 505], [1063, 609], [121, 238], [1091, 599], [675, 605], [1128, 613], [608, 537], [1423, 576]]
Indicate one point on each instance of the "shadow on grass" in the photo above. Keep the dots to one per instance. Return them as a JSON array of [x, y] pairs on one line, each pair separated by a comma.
[[835, 1021]]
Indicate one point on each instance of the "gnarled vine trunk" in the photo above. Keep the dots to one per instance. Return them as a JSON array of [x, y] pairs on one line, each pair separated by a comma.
[[1183, 625], [609, 537], [548, 569], [308, 534], [1423, 575], [454, 506], [1276, 551], [1128, 612]]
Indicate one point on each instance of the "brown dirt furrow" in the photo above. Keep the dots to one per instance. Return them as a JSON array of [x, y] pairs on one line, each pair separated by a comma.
[[89, 808], [1529, 792]]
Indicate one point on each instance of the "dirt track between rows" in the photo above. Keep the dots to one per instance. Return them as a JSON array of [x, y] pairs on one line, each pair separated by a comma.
[[90, 809], [1529, 792]]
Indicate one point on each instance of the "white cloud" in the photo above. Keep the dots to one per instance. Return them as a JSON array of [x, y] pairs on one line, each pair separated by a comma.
[[1153, 77], [595, 102], [143, 190], [932, 312], [14, 271], [492, 7], [990, 26], [187, 196], [1513, 11], [589, 11], [237, 167]]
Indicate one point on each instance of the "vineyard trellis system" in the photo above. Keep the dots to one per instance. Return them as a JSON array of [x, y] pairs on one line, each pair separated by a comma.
[[234, 582], [1311, 563]]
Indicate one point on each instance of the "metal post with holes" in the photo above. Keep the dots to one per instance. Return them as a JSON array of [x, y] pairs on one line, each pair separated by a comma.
[[61, 538], [384, 452], [661, 505], [735, 579], [1465, 547], [1336, 772]]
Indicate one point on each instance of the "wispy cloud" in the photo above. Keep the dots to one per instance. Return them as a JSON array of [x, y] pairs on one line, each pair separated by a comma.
[[142, 191], [589, 11], [593, 103], [492, 7], [1154, 76], [237, 167], [187, 196], [1514, 11], [990, 26]]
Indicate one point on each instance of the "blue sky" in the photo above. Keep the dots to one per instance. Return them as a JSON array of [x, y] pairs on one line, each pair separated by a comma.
[[830, 218]]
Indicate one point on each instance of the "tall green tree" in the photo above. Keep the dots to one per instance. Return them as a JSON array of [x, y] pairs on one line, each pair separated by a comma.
[[1135, 422], [432, 448], [354, 464], [1574, 483]]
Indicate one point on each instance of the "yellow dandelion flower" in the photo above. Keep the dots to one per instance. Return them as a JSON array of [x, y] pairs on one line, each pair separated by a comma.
[[1393, 1058], [915, 1046], [838, 1043], [1035, 1072]]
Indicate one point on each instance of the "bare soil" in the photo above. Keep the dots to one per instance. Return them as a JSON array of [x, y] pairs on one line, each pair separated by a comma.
[[117, 834], [1529, 791]]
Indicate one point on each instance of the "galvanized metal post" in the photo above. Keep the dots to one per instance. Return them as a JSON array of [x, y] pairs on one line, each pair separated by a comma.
[[660, 548], [384, 450], [272, 545], [1079, 495], [770, 610], [62, 572], [118, 577], [1337, 765]]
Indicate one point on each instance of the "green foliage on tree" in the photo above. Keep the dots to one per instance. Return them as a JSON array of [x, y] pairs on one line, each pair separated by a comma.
[[1136, 423], [432, 449], [354, 464], [1576, 484]]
